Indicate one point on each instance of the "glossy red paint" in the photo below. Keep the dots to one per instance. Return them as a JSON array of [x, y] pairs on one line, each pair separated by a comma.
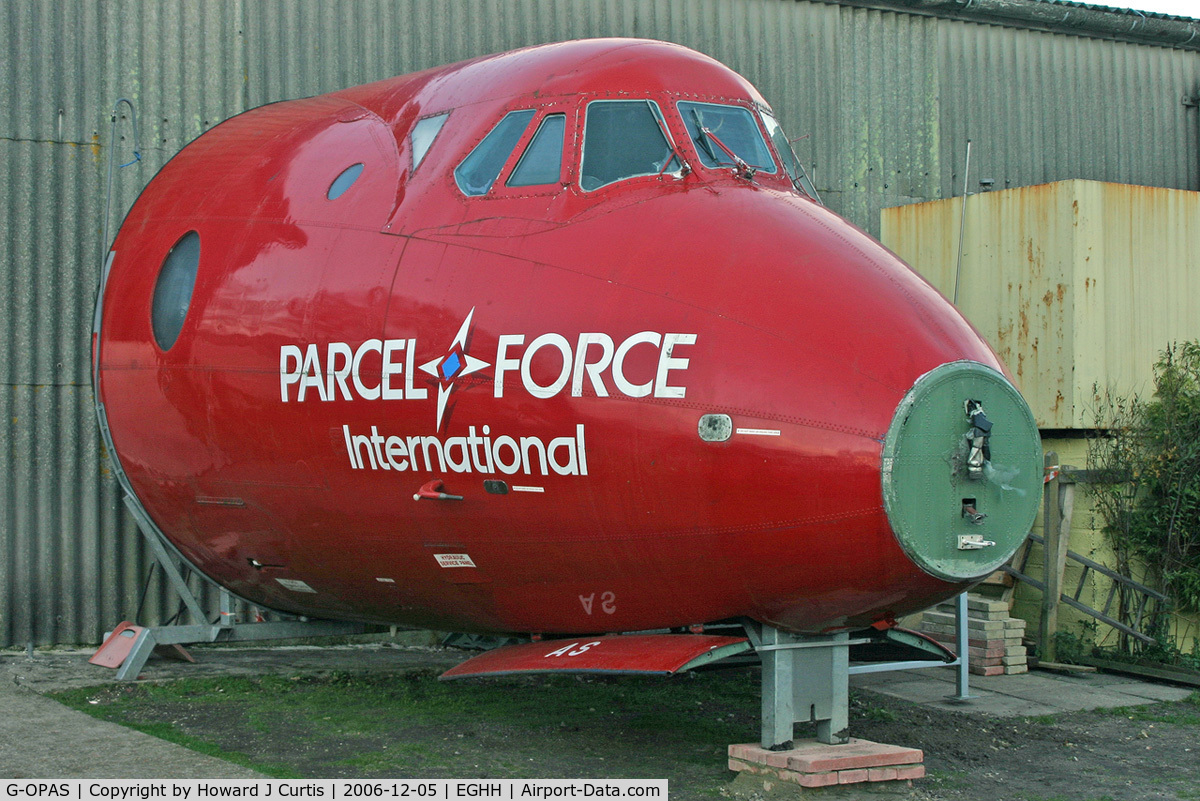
[[651, 654], [716, 294]]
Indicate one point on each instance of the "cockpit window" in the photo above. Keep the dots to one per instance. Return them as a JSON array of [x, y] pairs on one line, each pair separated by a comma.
[[480, 169], [423, 134], [790, 163], [541, 163], [623, 139], [712, 125]]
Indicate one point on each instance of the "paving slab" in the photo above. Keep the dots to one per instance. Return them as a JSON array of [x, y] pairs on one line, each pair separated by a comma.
[[1024, 695], [42, 739]]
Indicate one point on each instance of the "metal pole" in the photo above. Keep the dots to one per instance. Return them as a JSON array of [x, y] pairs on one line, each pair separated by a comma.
[[963, 676], [962, 221]]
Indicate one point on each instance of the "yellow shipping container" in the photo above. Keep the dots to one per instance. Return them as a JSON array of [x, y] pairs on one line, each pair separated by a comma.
[[1076, 284]]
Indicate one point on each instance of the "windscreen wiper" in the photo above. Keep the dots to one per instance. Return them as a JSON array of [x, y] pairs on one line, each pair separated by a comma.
[[707, 139], [702, 139], [741, 168]]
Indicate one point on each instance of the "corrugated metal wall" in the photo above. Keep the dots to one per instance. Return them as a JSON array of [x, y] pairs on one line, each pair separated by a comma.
[[887, 100]]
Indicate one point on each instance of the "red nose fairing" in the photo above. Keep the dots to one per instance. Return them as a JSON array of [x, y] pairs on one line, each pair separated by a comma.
[[544, 342]]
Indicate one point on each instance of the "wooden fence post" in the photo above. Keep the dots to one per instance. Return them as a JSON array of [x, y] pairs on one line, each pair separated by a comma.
[[1058, 502]]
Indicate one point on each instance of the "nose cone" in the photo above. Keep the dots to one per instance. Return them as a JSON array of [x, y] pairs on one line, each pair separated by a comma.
[[944, 465]]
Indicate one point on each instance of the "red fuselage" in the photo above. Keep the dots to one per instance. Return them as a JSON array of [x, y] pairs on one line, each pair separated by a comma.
[[546, 351]]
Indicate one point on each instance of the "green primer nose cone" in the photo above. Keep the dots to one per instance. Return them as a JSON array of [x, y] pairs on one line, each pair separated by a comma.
[[956, 527]]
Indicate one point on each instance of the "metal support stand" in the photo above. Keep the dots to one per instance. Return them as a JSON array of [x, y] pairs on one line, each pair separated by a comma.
[[150, 637], [201, 631], [805, 678], [962, 679]]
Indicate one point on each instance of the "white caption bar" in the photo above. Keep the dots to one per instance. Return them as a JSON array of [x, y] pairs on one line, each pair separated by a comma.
[[331, 790]]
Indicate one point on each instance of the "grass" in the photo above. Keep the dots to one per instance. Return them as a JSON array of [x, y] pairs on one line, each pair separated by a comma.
[[410, 722], [880, 715], [1187, 713], [168, 732]]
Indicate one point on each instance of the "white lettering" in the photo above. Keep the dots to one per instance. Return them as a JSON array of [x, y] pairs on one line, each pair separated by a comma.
[[503, 363], [362, 441], [343, 374], [365, 392], [376, 442], [537, 445], [411, 392], [506, 467], [574, 649], [355, 462], [463, 463], [338, 374], [593, 369], [288, 376], [535, 389], [608, 602], [390, 369], [566, 455], [571, 466], [395, 451], [667, 362], [311, 374], [618, 365], [561, 651]]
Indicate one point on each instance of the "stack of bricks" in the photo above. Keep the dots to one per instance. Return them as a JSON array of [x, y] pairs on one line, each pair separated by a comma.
[[993, 637], [814, 764]]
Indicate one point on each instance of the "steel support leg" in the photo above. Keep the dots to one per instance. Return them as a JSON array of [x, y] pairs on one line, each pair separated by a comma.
[[962, 642], [143, 646], [804, 679]]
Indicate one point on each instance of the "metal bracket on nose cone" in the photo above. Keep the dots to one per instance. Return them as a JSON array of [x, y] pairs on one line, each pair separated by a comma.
[[973, 542], [973, 515], [977, 438]]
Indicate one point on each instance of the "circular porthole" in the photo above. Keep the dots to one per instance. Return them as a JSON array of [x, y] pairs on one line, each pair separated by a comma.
[[173, 291], [344, 181]]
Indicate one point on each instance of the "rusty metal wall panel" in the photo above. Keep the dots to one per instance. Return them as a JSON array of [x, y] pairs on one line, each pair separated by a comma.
[[1136, 285], [1018, 253], [1077, 285], [884, 98]]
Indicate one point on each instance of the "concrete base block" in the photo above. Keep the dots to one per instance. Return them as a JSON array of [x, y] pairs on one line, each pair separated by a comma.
[[814, 764]]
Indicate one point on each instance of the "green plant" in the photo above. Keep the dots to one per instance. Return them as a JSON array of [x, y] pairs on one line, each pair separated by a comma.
[[1149, 450], [1071, 648]]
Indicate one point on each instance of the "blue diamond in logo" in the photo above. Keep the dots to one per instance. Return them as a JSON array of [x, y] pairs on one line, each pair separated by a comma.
[[451, 366]]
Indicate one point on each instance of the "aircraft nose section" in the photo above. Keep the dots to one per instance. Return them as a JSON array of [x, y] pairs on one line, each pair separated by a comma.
[[962, 471]]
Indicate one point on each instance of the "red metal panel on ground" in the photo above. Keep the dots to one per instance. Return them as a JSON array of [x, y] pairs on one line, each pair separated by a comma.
[[633, 653], [117, 646]]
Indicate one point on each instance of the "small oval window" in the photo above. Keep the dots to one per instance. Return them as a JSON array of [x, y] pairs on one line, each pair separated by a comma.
[[344, 181], [173, 291]]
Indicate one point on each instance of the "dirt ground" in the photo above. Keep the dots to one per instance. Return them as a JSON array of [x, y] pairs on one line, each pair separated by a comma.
[[408, 724]]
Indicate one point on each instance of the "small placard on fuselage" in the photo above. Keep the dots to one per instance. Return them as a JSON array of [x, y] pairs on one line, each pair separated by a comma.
[[295, 585], [454, 560]]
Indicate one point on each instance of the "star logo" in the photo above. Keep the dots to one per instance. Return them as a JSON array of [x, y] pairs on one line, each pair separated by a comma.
[[456, 363]]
